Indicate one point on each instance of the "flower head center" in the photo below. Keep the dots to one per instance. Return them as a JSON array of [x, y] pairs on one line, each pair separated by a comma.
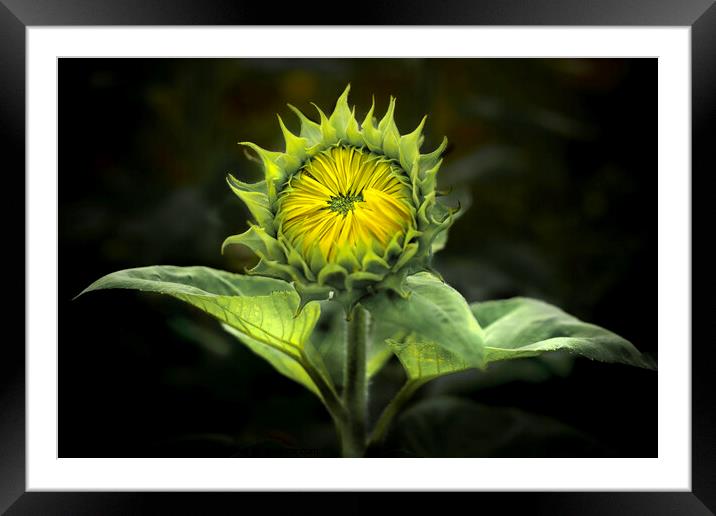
[[344, 203], [343, 199]]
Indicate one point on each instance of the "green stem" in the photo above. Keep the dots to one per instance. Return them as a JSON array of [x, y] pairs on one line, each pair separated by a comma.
[[355, 394], [397, 403]]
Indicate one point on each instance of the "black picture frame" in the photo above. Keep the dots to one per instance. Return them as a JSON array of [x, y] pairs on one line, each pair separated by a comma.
[[17, 15]]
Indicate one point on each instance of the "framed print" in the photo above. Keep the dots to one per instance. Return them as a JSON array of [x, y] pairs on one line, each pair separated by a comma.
[[396, 311]]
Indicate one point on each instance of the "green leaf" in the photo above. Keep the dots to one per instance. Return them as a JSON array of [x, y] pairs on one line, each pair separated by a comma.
[[379, 351], [282, 362], [433, 330], [528, 370], [169, 279], [260, 311], [523, 327]]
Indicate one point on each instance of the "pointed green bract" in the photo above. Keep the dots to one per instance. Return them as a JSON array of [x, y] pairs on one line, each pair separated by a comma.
[[364, 271], [310, 130], [255, 197]]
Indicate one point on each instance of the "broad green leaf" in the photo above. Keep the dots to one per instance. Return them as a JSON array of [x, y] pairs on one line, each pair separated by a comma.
[[282, 362], [433, 330], [527, 370], [379, 351], [425, 359], [262, 311], [329, 339], [523, 327], [169, 279]]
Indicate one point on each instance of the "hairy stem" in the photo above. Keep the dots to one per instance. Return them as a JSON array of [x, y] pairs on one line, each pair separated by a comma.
[[355, 394]]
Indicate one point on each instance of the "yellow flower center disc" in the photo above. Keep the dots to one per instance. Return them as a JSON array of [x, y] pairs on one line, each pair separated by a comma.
[[345, 197]]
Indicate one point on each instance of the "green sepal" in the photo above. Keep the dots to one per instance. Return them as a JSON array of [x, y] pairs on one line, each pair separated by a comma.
[[316, 260], [258, 240], [347, 259], [341, 116], [428, 161], [329, 135], [416, 186], [410, 146], [371, 135], [276, 269], [333, 275], [391, 135], [295, 153], [361, 280], [373, 263], [393, 249], [310, 130], [423, 217], [429, 181], [353, 135], [308, 293], [255, 197], [296, 260], [274, 175], [409, 251], [395, 283]]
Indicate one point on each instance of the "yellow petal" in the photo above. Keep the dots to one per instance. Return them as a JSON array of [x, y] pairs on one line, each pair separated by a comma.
[[345, 199]]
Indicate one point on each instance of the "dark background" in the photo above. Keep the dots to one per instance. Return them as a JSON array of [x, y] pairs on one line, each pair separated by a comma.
[[558, 158]]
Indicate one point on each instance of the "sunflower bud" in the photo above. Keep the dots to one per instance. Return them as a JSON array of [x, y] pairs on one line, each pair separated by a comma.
[[346, 210]]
